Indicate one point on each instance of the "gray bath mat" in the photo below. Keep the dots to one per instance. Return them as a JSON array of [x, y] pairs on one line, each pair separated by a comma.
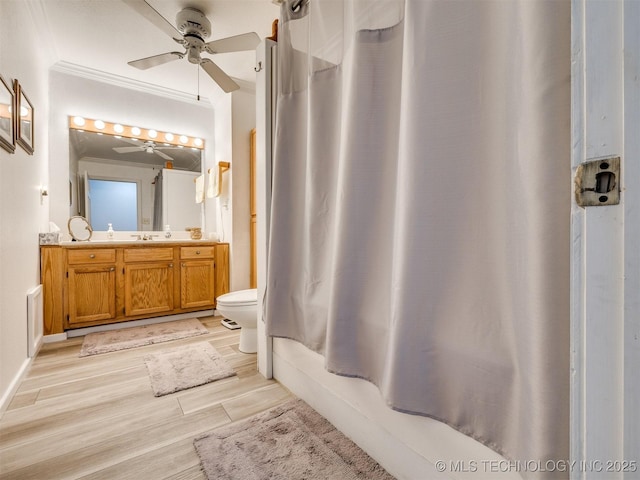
[[185, 367], [291, 441], [124, 338]]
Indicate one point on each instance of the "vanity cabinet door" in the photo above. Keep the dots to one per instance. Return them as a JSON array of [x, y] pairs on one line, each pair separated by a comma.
[[148, 288], [197, 283], [92, 293]]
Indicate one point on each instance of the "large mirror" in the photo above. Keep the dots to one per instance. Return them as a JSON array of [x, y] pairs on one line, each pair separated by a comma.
[[136, 185]]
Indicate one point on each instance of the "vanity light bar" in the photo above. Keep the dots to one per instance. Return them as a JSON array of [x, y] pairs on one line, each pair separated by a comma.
[[129, 131]]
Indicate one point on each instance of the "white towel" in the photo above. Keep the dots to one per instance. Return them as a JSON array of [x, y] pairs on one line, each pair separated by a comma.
[[200, 189], [213, 187]]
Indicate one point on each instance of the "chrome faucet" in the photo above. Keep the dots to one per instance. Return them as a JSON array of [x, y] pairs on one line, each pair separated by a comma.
[[144, 236]]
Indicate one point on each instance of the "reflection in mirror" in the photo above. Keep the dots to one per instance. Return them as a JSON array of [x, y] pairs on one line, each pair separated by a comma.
[[129, 182], [79, 228]]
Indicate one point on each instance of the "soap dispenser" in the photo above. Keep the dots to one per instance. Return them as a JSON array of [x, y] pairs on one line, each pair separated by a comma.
[[110, 231], [167, 231]]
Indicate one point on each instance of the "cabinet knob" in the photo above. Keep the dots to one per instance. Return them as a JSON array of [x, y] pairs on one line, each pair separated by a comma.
[[184, 264], [197, 252], [92, 255], [112, 269], [171, 265]]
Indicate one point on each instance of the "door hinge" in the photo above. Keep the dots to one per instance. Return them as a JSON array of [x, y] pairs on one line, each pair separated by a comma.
[[597, 182]]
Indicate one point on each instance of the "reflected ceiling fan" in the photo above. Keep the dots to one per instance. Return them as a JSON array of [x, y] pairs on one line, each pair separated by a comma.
[[149, 146], [193, 28]]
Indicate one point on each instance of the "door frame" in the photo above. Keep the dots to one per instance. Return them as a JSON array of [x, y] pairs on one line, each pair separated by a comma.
[[266, 58], [605, 271]]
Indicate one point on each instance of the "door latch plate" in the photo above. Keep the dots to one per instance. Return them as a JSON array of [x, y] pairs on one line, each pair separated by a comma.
[[597, 182]]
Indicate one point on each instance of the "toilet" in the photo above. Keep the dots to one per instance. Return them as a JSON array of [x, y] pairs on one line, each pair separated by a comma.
[[241, 307]]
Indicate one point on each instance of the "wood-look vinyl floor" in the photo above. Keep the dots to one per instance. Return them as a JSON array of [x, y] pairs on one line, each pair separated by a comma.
[[96, 417]]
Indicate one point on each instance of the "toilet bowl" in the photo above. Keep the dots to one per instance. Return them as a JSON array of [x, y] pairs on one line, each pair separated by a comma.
[[241, 307]]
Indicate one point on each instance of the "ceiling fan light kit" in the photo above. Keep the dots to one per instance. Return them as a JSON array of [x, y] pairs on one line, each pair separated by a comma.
[[192, 28]]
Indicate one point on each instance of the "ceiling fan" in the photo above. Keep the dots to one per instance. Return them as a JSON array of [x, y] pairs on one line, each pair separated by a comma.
[[149, 146], [193, 28]]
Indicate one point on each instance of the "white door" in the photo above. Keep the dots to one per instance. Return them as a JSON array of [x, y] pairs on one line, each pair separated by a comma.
[[605, 305]]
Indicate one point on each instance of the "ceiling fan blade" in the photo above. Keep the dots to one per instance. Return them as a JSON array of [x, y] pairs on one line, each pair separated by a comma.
[[218, 76], [163, 155], [154, 61], [151, 14], [237, 43], [126, 149]]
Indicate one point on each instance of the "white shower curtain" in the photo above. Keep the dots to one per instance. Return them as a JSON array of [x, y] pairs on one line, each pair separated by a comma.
[[420, 215]]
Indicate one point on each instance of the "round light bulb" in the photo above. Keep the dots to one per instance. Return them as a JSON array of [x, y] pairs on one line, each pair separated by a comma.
[[168, 136], [135, 130], [152, 133], [118, 128], [198, 142], [184, 138], [79, 121], [99, 124]]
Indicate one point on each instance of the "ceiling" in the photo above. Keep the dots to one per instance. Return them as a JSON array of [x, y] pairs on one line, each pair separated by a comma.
[[104, 35]]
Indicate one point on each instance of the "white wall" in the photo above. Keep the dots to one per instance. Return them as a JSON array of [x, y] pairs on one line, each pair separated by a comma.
[[218, 210], [236, 117], [243, 120], [23, 56], [77, 91]]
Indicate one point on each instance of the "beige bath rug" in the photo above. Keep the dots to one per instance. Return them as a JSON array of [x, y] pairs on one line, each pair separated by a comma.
[[124, 338], [292, 441], [185, 367]]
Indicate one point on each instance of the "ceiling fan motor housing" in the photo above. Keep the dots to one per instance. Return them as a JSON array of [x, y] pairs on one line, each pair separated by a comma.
[[192, 22], [195, 27]]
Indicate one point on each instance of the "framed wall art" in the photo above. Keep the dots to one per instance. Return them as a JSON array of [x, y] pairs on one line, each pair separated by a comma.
[[7, 131], [24, 121]]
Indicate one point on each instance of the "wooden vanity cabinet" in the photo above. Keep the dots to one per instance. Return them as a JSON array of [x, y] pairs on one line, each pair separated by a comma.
[[91, 285], [101, 284], [148, 280], [197, 276]]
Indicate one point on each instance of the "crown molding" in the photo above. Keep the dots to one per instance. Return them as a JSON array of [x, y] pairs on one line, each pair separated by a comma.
[[124, 82]]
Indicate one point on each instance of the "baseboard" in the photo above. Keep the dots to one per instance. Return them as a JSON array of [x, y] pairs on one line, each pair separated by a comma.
[[13, 386], [56, 337]]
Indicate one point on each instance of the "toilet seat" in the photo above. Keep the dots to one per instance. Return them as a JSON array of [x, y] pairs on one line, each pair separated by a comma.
[[241, 298]]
